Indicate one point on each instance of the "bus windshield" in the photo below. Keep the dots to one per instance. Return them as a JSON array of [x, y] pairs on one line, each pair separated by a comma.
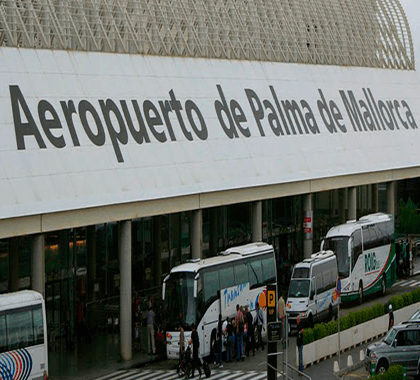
[[179, 299], [339, 245], [299, 288]]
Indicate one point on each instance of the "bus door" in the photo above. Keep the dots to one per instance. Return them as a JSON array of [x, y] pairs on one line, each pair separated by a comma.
[[357, 264]]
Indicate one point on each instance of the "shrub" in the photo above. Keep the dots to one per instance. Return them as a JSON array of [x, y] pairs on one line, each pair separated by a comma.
[[416, 295], [395, 372], [378, 311], [344, 323], [308, 336], [331, 327], [365, 315], [408, 299], [352, 319], [397, 302], [320, 331]]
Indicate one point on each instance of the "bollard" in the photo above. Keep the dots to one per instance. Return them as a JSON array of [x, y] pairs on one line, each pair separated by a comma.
[[336, 366], [349, 361], [362, 355]]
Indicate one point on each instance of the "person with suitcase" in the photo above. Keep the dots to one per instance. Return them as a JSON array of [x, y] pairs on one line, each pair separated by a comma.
[[196, 362]]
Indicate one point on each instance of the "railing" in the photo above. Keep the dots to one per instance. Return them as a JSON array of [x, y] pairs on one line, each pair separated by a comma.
[[284, 372]]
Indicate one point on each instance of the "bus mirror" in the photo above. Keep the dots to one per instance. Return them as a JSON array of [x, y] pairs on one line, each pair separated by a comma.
[[195, 288], [163, 291], [322, 245]]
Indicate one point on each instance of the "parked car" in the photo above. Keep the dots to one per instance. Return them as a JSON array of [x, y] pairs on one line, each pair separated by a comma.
[[401, 345]]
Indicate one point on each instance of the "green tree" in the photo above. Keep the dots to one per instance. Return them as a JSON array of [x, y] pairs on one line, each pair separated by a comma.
[[408, 219]]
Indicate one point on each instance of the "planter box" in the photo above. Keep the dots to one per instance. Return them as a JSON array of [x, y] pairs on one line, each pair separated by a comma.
[[328, 346]]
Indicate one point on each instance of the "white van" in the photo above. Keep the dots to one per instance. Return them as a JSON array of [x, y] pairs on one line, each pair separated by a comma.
[[312, 291]]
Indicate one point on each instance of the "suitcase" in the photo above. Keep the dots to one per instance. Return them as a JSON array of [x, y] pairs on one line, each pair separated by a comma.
[[206, 368]]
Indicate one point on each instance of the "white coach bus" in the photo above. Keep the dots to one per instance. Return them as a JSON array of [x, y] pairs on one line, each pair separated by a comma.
[[197, 291], [23, 336], [365, 251]]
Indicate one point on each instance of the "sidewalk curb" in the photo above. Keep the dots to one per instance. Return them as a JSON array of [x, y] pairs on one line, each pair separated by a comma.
[[346, 370]]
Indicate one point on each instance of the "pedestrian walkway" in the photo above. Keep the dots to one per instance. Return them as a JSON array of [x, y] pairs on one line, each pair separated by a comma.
[[172, 375], [88, 360]]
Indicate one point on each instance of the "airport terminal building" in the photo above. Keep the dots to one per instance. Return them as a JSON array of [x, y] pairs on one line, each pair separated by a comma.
[[137, 134]]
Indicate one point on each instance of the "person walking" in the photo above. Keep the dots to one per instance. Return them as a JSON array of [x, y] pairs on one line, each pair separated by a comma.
[[151, 331], [219, 343], [239, 323], [251, 337], [260, 325], [282, 314], [181, 345], [195, 341], [299, 342], [229, 343], [391, 318]]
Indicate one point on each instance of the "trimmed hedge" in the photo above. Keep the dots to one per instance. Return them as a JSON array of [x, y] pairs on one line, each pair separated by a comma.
[[321, 330], [395, 372]]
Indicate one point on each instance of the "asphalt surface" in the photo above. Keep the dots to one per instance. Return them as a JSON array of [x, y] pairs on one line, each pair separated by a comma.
[[350, 363]]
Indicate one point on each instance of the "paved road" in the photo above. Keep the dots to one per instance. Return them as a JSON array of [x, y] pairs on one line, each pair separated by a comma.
[[255, 367]]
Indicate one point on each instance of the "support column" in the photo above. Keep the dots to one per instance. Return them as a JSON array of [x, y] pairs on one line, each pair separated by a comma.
[[197, 234], [308, 225], [352, 203], [157, 243], [257, 221], [390, 197], [38, 264], [124, 252], [91, 264], [341, 206], [13, 264], [375, 197], [213, 231]]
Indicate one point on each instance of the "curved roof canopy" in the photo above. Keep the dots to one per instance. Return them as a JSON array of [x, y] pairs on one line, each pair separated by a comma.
[[367, 33]]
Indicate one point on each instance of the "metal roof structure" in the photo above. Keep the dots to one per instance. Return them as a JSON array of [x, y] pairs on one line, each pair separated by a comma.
[[364, 33]]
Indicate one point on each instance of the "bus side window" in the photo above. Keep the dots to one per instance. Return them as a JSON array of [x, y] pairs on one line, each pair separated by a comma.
[[3, 343], [326, 276], [255, 273], [269, 270], [241, 273], [316, 272], [38, 326], [226, 277], [366, 239], [390, 231], [375, 240], [357, 247], [211, 286], [200, 300]]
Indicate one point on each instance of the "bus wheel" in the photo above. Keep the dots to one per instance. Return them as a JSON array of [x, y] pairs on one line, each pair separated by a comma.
[[360, 293], [383, 287]]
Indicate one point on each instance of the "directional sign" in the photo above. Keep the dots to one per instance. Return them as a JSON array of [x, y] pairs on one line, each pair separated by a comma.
[[274, 331], [271, 294]]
